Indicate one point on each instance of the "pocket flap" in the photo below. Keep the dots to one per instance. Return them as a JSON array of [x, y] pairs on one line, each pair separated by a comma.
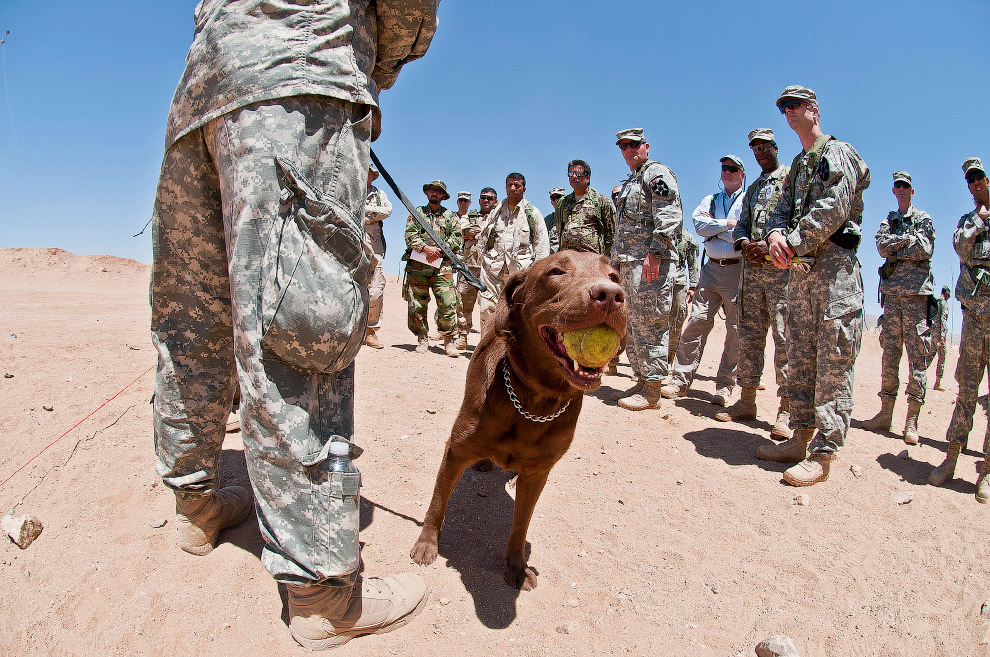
[[841, 307]]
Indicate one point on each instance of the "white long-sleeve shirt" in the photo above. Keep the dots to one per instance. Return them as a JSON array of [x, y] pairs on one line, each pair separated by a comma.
[[714, 230]]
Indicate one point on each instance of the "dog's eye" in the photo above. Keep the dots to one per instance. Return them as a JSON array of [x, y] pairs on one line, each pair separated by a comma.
[[556, 271], [614, 278]]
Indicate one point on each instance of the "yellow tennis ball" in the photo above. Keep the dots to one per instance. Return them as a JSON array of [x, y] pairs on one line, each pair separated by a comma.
[[592, 347]]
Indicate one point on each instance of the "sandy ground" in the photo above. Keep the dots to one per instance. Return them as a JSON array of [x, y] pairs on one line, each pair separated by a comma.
[[659, 533]]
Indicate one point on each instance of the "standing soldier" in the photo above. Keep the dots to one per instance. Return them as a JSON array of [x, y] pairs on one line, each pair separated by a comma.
[[906, 238], [427, 269], [556, 193], [647, 233], [815, 231], [376, 208], [467, 294], [685, 285], [585, 218], [972, 243], [762, 289], [943, 335]]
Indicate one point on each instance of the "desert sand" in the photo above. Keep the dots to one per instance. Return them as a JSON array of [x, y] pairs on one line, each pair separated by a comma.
[[659, 532]]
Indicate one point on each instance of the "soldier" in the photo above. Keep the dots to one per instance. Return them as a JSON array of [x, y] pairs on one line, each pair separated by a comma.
[[685, 286], [260, 281], [714, 219], [943, 335], [428, 269], [906, 238], [467, 294], [647, 233], [514, 237], [615, 195], [556, 193], [376, 208], [972, 243], [585, 218], [762, 289], [814, 231]]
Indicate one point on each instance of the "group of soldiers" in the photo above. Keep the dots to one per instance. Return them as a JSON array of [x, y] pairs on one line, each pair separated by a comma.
[[779, 258]]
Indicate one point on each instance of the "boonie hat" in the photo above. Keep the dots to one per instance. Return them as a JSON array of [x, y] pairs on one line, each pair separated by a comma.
[[629, 134], [945, 289], [763, 134], [558, 190], [439, 184], [902, 176], [373, 171], [971, 163], [797, 92], [733, 158], [462, 194]]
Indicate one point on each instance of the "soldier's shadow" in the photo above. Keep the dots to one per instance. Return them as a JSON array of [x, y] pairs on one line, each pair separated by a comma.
[[733, 446]]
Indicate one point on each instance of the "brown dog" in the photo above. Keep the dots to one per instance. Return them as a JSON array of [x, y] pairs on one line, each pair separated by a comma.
[[524, 342]]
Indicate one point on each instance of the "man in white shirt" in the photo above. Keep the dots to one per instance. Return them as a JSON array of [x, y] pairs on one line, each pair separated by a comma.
[[714, 220]]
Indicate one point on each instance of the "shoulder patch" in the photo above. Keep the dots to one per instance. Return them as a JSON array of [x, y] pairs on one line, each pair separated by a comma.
[[659, 187]]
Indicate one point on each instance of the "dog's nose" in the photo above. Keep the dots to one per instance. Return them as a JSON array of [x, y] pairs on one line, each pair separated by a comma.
[[608, 295]]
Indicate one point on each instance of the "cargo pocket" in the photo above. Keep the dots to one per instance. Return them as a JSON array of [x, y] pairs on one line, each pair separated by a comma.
[[314, 280]]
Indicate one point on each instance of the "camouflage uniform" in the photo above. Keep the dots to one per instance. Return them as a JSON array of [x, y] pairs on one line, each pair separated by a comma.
[[943, 314], [467, 294], [909, 241], [649, 219], [376, 208], [266, 166], [421, 277], [762, 288], [685, 278], [825, 305], [551, 221], [586, 224]]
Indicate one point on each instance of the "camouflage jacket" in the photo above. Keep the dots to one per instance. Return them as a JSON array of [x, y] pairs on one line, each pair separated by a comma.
[[444, 223], [245, 51], [587, 224], [907, 241], [972, 243], [943, 315], [649, 215], [760, 199], [551, 221], [471, 225], [688, 266], [376, 208]]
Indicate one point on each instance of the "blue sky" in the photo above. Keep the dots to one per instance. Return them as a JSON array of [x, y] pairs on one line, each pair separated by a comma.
[[516, 87]]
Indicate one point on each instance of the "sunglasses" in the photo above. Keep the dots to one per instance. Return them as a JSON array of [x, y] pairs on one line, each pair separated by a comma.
[[731, 168], [900, 184], [764, 147], [577, 174], [973, 176], [463, 200], [790, 105], [631, 145], [485, 197]]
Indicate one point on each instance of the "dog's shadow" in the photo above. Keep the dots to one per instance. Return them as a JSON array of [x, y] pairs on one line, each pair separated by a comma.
[[472, 541]]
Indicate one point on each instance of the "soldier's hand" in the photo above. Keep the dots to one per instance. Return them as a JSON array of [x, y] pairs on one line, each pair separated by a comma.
[[690, 296], [432, 253], [730, 224], [780, 251], [651, 268]]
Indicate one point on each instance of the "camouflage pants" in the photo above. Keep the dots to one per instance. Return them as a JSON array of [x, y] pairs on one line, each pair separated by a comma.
[[216, 205], [825, 318], [940, 364], [905, 325], [718, 287], [974, 354], [762, 308], [467, 295], [376, 288], [648, 330], [420, 279], [678, 313]]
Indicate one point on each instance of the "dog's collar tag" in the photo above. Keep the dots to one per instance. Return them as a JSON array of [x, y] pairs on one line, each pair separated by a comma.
[[515, 399]]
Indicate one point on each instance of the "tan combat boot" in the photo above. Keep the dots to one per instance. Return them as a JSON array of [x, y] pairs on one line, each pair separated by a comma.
[[647, 397], [721, 396], [911, 423], [938, 383], [782, 426], [201, 517], [983, 482], [944, 471], [449, 348], [322, 617], [622, 394], [613, 367], [423, 345], [371, 338], [461, 342], [881, 421], [793, 450], [744, 409], [672, 390], [809, 471]]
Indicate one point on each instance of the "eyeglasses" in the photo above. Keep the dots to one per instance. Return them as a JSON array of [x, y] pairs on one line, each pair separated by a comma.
[[973, 176], [577, 174], [764, 147], [731, 168], [900, 184], [790, 105], [631, 145], [485, 197], [463, 200]]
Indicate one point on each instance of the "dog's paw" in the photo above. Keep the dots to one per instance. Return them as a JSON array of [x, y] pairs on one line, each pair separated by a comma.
[[424, 552], [523, 578]]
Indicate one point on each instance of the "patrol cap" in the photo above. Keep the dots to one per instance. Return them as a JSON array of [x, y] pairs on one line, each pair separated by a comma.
[[734, 159], [945, 289], [971, 163], [763, 134], [558, 191], [463, 194], [797, 92], [902, 176], [629, 134], [373, 171], [439, 184]]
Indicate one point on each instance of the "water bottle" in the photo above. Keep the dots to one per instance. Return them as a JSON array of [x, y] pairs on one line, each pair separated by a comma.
[[340, 457], [345, 511]]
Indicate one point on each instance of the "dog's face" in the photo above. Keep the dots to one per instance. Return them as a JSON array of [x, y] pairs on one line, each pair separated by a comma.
[[564, 292]]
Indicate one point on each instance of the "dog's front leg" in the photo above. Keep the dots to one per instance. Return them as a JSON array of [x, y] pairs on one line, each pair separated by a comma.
[[517, 573], [424, 551]]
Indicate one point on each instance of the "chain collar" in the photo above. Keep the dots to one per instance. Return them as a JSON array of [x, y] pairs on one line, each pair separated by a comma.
[[515, 400]]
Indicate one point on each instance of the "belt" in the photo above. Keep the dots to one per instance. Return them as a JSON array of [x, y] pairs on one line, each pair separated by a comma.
[[725, 262]]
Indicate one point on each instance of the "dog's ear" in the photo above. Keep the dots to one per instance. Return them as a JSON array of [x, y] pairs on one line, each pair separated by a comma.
[[506, 300]]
